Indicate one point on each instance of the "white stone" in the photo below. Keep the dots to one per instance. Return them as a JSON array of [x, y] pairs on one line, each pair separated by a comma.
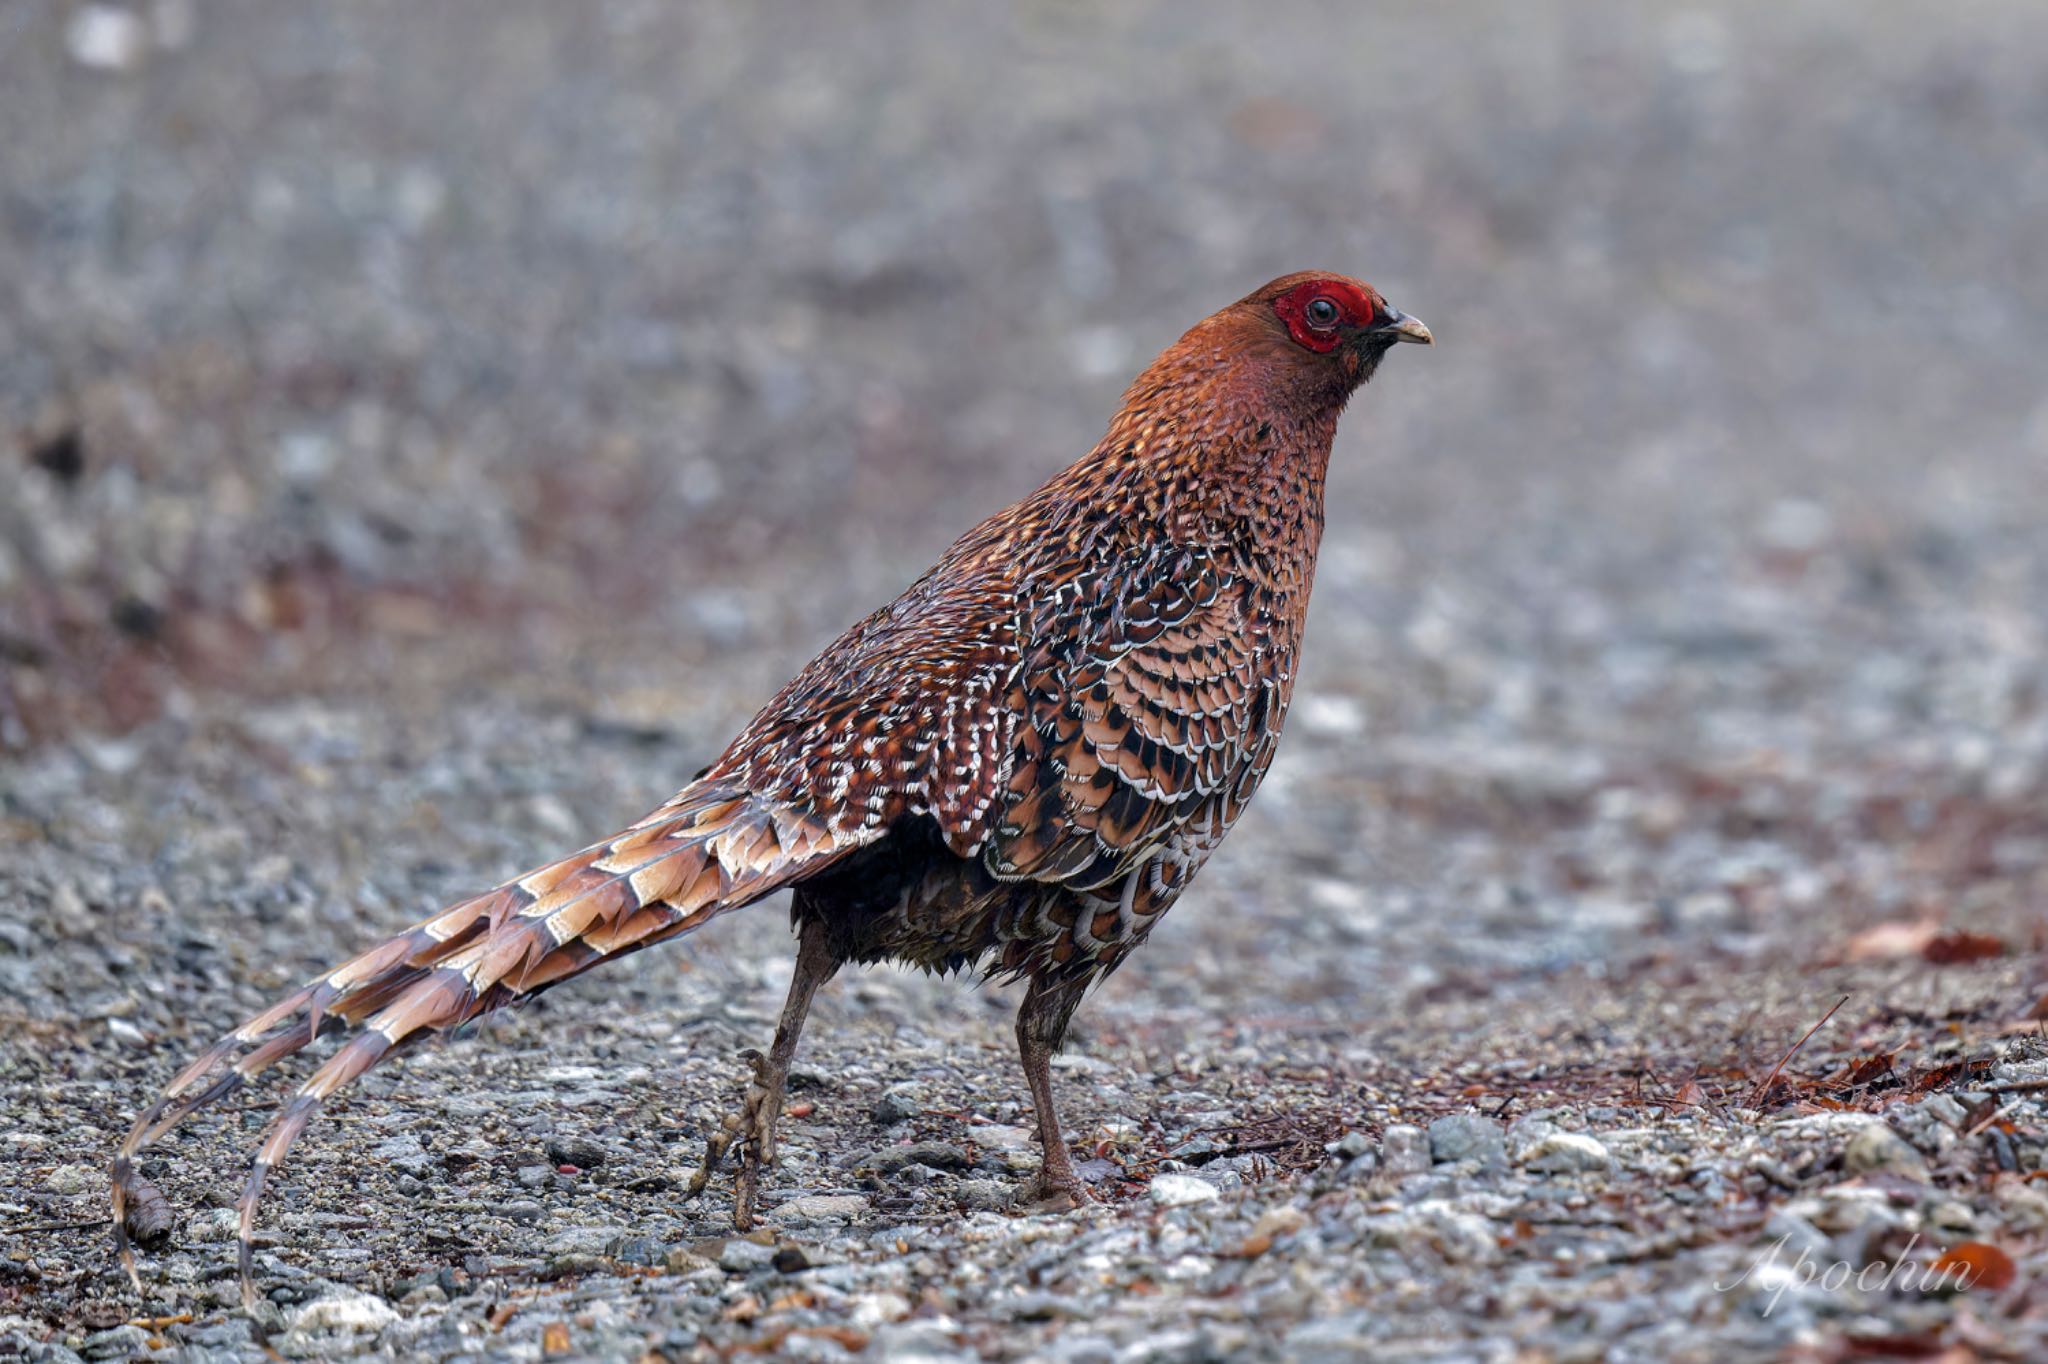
[[1178, 1191], [878, 1309], [1565, 1151], [71, 1179], [345, 1312], [822, 1207], [105, 38]]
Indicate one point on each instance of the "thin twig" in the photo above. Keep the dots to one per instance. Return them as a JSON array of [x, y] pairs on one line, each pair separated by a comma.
[[55, 1226], [1991, 1118], [1756, 1096], [2017, 1087]]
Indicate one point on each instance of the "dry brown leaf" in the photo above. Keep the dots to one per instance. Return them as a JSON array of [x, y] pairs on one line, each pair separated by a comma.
[[1977, 1264], [1961, 947]]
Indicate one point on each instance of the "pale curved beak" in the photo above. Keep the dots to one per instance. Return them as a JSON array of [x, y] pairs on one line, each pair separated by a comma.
[[1401, 327]]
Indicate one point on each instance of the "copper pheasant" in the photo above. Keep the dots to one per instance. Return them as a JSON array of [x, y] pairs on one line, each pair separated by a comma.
[[1015, 767]]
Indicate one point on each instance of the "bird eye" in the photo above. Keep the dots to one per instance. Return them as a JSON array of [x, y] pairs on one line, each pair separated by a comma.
[[1322, 313]]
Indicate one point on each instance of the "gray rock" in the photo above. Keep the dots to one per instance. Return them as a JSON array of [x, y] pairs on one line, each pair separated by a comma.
[[1350, 1146], [985, 1195], [1877, 1147], [1795, 1235], [683, 1260], [118, 1343], [895, 1106], [524, 1210], [1041, 1306], [73, 1179], [1365, 1167], [581, 1152], [1404, 1150], [1353, 1336], [739, 1256], [822, 1208], [1468, 1136], [584, 1241], [1066, 1347], [574, 1264], [640, 1250], [935, 1155], [404, 1155], [212, 1226]]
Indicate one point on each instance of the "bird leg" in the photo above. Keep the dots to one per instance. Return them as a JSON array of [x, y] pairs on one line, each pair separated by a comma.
[[1041, 1027], [752, 1127]]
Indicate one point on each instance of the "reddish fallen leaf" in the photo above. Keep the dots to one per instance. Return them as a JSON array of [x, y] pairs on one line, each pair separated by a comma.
[[1866, 1070], [1821, 1103], [802, 1110], [1253, 1246], [1977, 1264], [1961, 948], [1941, 1077], [1690, 1095]]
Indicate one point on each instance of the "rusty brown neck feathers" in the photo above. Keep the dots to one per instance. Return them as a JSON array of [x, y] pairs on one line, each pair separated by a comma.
[[1225, 436]]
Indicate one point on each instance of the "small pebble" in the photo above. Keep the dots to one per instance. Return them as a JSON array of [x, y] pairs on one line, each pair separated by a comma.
[[1562, 1152], [1179, 1191], [573, 1153], [739, 1256], [1404, 1150], [1876, 1147], [1467, 1136]]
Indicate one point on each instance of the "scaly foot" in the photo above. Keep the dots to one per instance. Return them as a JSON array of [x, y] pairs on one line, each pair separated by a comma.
[[752, 1129], [1055, 1188]]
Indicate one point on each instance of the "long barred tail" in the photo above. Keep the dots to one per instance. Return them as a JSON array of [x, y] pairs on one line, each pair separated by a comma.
[[711, 849]]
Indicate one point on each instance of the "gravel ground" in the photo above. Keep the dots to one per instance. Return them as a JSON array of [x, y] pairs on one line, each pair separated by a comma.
[[437, 426]]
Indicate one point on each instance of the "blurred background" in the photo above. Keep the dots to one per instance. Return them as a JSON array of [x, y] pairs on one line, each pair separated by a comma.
[[428, 431], [571, 373], [586, 347]]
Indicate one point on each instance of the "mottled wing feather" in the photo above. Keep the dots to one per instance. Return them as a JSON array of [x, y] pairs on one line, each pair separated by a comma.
[[1148, 690]]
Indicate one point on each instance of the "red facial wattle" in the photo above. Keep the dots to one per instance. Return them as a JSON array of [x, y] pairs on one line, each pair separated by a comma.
[[1354, 308]]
